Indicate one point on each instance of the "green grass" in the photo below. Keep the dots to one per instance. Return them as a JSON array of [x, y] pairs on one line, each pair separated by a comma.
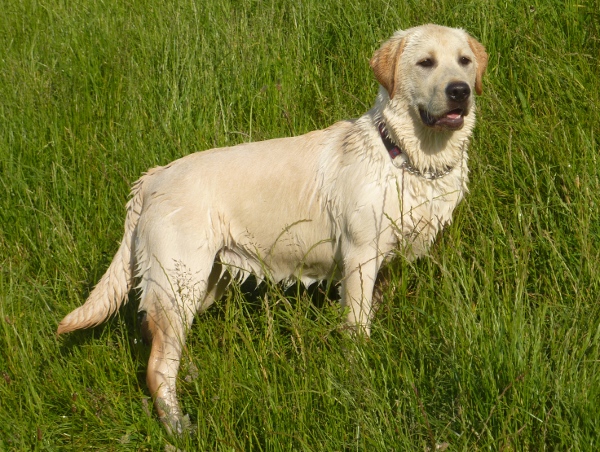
[[491, 342]]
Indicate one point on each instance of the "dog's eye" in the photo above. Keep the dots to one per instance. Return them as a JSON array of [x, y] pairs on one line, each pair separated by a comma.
[[426, 62], [464, 61]]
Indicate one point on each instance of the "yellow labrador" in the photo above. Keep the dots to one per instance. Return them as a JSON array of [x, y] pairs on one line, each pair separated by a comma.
[[334, 203]]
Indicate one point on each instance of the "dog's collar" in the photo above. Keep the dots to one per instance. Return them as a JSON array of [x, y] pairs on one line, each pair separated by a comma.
[[394, 151]]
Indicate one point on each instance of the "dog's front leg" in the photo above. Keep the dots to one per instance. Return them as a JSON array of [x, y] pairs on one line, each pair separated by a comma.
[[357, 293]]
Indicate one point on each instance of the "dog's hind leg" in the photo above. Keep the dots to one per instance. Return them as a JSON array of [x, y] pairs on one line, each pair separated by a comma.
[[168, 338], [170, 300], [218, 281]]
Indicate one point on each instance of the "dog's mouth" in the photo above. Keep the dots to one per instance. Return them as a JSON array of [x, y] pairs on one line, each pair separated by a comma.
[[453, 119]]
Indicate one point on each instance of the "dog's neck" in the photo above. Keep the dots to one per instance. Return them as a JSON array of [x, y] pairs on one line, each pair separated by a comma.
[[426, 151], [395, 151]]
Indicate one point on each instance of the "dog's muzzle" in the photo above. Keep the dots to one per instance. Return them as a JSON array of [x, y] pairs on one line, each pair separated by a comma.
[[457, 94]]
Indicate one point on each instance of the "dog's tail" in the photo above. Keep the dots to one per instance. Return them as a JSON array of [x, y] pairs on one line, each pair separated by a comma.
[[112, 289]]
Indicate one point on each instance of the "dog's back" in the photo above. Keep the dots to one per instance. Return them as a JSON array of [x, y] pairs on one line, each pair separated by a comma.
[[333, 203]]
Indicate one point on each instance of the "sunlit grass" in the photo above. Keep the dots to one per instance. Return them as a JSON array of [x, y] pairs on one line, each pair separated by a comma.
[[491, 342]]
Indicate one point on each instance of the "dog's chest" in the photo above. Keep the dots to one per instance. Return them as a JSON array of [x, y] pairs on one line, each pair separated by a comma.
[[423, 208]]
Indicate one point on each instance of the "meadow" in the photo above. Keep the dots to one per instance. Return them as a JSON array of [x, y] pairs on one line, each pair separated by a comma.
[[491, 342]]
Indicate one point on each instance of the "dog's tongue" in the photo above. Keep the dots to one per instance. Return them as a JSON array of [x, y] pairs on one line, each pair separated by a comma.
[[454, 114], [452, 120]]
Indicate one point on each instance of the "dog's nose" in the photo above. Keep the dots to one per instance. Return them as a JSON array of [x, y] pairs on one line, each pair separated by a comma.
[[458, 91]]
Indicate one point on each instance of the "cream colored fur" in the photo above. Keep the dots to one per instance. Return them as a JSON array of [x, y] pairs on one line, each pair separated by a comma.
[[328, 204]]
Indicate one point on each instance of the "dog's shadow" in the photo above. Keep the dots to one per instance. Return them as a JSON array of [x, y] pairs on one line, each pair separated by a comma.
[[128, 321]]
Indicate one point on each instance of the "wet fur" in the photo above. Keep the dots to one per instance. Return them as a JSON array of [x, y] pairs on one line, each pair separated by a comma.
[[328, 204]]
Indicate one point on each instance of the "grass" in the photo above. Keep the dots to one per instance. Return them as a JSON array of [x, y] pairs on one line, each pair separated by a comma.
[[490, 342]]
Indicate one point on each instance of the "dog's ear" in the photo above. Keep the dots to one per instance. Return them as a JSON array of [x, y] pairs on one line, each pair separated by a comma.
[[482, 61], [385, 60]]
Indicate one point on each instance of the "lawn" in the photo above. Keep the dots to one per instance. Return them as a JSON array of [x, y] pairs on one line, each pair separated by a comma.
[[491, 342]]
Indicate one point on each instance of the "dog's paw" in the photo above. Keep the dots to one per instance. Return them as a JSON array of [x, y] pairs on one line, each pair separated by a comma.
[[177, 425], [356, 331]]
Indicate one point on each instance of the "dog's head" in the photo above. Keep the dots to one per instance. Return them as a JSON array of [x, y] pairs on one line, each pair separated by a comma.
[[434, 70]]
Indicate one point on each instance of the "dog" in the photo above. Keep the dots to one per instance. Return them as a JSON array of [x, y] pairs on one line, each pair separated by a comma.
[[332, 204]]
